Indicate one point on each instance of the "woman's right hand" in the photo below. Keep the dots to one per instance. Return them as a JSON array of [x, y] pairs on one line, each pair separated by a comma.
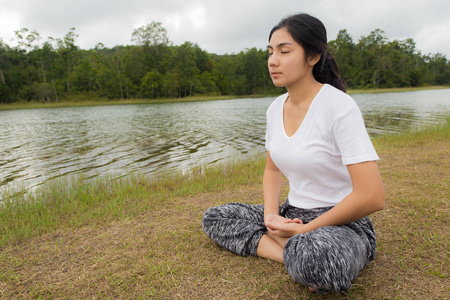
[[276, 225]]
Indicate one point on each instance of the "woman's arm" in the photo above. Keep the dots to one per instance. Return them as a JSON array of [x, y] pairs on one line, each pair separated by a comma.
[[367, 197], [271, 187]]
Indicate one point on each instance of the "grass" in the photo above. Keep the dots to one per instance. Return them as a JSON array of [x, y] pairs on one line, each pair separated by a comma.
[[84, 100], [140, 237], [77, 202], [99, 102], [415, 137], [395, 90]]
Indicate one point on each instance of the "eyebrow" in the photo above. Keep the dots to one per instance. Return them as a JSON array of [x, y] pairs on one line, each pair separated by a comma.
[[279, 45]]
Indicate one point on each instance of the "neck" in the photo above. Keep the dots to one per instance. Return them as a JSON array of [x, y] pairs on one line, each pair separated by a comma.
[[304, 91]]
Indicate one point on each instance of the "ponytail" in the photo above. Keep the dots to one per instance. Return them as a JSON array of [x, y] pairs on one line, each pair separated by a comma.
[[326, 71]]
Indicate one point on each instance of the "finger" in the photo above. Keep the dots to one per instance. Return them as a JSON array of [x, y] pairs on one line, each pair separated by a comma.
[[272, 226]]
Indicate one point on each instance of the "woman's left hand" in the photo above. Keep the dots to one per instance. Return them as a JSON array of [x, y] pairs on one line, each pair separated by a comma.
[[284, 227]]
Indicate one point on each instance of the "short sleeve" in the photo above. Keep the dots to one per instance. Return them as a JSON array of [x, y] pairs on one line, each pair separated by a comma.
[[351, 137]]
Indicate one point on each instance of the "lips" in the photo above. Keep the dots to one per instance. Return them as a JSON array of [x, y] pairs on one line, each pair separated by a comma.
[[275, 74]]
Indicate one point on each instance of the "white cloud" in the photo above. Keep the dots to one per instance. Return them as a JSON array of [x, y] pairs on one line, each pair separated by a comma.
[[197, 15], [11, 18], [226, 26], [429, 39]]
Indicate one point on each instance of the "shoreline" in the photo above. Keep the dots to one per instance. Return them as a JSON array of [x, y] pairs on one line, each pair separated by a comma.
[[142, 237], [82, 103]]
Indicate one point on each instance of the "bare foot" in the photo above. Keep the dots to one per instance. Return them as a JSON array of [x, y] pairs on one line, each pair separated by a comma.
[[311, 290]]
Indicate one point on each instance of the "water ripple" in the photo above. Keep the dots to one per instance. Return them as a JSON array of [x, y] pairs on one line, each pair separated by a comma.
[[37, 145]]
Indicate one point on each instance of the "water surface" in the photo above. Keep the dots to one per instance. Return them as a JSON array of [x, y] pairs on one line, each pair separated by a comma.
[[41, 144]]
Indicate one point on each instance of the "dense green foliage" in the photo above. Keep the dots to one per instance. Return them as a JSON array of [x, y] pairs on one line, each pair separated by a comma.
[[154, 68], [375, 62]]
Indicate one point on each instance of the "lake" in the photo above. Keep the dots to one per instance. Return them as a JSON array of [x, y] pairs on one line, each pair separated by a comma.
[[37, 145]]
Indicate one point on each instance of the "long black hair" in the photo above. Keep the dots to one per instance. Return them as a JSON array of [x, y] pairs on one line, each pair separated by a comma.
[[311, 34]]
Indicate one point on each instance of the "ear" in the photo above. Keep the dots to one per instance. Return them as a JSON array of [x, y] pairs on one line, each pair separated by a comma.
[[314, 59]]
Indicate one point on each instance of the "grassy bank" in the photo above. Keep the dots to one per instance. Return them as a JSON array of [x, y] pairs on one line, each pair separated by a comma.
[[101, 102], [66, 203], [141, 237], [85, 101], [396, 90]]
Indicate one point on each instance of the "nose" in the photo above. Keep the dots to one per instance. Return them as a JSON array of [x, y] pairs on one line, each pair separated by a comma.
[[273, 60]]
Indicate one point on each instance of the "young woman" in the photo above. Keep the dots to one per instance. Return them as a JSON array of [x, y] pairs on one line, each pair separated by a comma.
[[316, 137]]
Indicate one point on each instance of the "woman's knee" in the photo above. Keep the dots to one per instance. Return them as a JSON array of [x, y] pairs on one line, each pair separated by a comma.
[[238, 211], [210, 218], [324, 259], [235, 226]]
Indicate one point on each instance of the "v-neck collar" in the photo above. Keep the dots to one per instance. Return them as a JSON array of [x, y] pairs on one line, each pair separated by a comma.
[[305, 119]]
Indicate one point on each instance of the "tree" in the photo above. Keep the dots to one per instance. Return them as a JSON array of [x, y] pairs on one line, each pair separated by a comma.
[[440, 70], [202, 58], [154, 68], [5, 92], [3, 50], [44, 91], [186, 67], [224, 73], [343, 50], [25, 43], [369, 60], [152, 34], [206, 84], [171, 84], [69, 53], [135, 67], [152, 84], [26, 38]]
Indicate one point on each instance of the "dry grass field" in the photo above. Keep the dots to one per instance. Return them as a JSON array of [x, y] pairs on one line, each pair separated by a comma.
[[141, 238]]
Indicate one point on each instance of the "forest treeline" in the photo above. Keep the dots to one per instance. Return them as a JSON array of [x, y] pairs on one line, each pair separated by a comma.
[[152, 67]]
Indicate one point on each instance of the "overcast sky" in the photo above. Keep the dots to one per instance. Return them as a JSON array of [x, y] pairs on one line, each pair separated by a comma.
[[226, 26]]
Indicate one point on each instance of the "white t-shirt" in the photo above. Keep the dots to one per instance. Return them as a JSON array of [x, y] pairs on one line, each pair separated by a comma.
[[314, 159]]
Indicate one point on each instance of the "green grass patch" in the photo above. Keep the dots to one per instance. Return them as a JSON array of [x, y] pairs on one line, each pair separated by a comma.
[[74, 202], [395, 90], [86, 101], [415, 137]]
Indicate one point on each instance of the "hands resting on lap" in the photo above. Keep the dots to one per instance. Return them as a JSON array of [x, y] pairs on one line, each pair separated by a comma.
[[283, 227]]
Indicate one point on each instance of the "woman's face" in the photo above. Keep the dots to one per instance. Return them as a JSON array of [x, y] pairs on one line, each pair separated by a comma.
[[287, 62]]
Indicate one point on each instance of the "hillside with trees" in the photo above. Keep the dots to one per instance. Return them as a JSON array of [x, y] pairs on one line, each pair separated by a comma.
[[57, 69]]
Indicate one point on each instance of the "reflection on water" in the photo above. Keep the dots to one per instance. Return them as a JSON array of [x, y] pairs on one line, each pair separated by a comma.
[[389, 121], [40, 144], [397, 112]]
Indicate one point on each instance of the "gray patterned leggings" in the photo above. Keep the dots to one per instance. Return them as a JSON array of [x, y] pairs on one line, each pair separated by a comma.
[[326, 259]]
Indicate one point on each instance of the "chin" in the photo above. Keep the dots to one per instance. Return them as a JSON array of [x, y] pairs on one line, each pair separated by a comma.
[[278, 84]]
